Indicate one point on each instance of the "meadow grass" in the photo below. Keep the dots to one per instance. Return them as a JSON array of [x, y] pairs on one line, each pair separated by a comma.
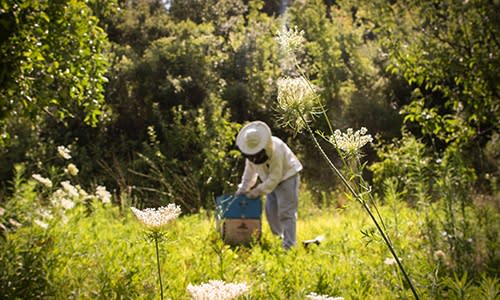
[[101, 252]]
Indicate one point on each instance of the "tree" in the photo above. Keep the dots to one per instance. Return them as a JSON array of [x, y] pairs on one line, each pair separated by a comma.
[[449, 53], [53, 56]]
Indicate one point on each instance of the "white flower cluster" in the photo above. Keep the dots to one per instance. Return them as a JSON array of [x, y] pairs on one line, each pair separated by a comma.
[[290, 40], [314, 296], [64, 152], [217, 290], [155, 218], [71, 169], [294, 92], [350, 141], [296, 100], [103, 194], [45, 181]]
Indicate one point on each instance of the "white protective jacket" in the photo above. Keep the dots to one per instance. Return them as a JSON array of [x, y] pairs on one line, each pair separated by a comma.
[[281, 165]]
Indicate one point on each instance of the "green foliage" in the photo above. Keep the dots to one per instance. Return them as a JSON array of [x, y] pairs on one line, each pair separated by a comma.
[[410, 165], [55, 61], [198, 161], [441, 188], [448, 52]]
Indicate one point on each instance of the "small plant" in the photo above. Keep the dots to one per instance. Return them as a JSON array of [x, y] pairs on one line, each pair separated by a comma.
[[155, 221]]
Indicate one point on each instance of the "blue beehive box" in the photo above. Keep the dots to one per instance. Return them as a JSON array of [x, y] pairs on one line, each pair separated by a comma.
[[238, 207]]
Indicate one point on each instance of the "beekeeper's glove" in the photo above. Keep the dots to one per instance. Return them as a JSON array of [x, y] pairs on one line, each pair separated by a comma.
[[254, 193], [240, 191]]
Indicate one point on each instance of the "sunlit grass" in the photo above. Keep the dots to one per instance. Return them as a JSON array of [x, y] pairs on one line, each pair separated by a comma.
[[101, 252]]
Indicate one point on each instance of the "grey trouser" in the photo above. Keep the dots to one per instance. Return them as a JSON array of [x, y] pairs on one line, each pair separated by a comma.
[[281, 210]]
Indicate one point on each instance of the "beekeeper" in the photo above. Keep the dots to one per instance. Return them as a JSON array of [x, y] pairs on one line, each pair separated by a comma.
[[271, 160]]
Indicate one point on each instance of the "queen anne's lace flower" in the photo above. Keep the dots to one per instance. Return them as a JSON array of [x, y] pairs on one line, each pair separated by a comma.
[[295, 93], [156, 218], [290, 40], [42, 180], [314, 296], [64, 152], [296, 101], [217, 289], [351, 142]]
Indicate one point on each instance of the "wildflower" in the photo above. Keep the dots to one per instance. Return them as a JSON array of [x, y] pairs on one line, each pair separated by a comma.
[[439, 254], [217, 289], [15, 223], [390, 261], [296, 101], [290, 40], [350, 142], [72, 169], [42, 180], [69, 189], [2, 211], [67, 204], [41, 224], [315, 296], [81, 191], [103, 194], [64, 152], [45, 214], [155, 218]]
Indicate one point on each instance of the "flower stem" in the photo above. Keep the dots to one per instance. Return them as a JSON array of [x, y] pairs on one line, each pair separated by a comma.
[[366, 207], [158, 263]]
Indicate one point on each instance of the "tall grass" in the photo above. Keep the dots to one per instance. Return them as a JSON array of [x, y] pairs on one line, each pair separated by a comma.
[[98, 251]]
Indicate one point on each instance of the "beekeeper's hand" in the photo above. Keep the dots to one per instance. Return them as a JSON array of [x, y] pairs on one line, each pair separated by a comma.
[[254, 193], [240, 191]]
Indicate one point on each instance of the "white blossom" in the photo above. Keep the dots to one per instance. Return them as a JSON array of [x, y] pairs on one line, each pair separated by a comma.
[[351, 142], [42, 180], [41, 224], [15, 223], [290, 40], [314, 296], [439, 254], [81, 191], [70, 189], [67, 204], [72, 169], [156, 218], [296, 101], [64, 152], [217, 289], [390, 261], [295, 92], [103, 194]]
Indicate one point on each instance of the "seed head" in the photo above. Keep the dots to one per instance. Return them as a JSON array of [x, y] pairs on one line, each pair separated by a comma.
[[296, 101]]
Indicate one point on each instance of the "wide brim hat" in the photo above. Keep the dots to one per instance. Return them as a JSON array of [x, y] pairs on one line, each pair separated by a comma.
[[253, 137]]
